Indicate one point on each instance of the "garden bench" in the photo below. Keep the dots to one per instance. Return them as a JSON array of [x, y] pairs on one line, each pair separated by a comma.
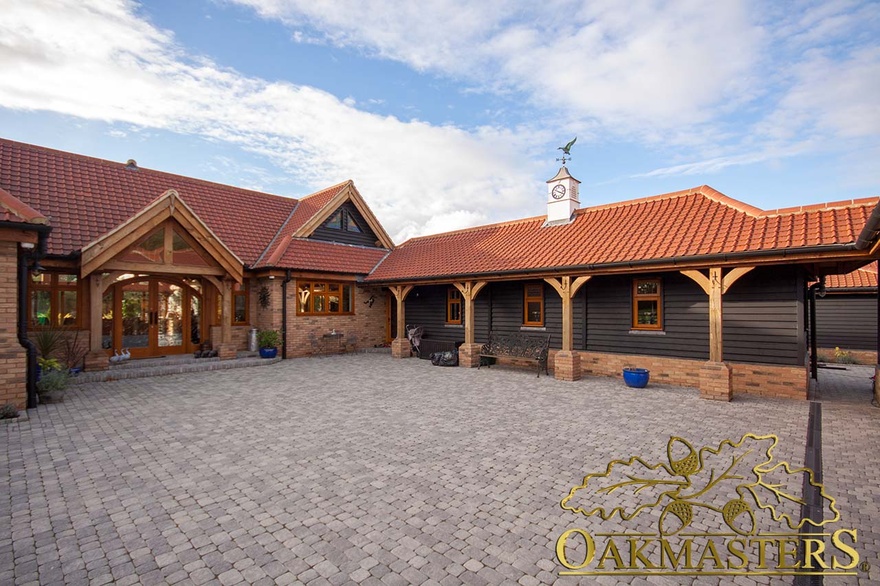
[[518, 346]]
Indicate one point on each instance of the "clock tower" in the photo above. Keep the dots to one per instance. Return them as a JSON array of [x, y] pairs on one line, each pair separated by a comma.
[[562, 197]]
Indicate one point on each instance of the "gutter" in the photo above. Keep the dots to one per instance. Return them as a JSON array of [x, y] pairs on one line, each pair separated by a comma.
[[25, 257], [870, 231], [680, 260]]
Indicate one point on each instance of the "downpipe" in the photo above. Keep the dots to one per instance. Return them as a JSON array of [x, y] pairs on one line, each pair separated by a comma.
[[25, 258], [287, 279]]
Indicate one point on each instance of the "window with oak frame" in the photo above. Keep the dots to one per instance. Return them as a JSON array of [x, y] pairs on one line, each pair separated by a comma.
[[647, 304], [323, 299], [453, 306], [533, 304], [54, 300]]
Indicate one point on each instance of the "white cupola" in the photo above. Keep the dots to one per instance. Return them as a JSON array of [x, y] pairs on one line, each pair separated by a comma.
[[562, 197]]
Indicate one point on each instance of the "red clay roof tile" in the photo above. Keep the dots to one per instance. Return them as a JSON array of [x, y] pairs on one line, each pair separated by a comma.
[[13, 209], [315, 255], [85, 198], [863, 278], [695, 222]]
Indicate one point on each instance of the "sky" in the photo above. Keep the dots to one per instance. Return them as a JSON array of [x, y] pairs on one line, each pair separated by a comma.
[[448, 113]]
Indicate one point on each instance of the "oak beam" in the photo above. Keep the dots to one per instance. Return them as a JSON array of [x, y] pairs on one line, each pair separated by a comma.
[[469, 291], [96, 296], [400, 292], [567, 289]]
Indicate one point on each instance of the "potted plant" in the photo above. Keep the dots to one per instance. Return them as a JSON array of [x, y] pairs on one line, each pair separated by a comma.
[[75, 351], [268, 341], [52, 385], [48, 341], [636, 377]]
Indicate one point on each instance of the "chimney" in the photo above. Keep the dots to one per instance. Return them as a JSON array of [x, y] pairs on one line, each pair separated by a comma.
[[562, 198]]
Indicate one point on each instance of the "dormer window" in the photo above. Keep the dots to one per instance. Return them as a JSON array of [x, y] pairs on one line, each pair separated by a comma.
[[343, 220]]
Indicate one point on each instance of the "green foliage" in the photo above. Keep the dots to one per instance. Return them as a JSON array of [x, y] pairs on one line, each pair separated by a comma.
[[49, 364], [844, 357], [268, 338], [8, 411], [52, 380], [48, 341]]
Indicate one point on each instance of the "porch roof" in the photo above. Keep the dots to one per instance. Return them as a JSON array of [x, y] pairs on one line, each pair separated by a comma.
[[692, 223], [14, 210], [863, 278]]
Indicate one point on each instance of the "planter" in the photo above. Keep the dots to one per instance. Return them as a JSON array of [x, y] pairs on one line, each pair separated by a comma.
[[51, 396], [636, 377], [268, 352]]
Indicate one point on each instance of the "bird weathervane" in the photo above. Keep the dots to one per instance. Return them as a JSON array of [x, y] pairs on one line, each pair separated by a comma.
[[566, 150]]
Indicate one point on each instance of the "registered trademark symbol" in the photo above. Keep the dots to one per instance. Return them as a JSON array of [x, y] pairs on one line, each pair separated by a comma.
[[865, 567]]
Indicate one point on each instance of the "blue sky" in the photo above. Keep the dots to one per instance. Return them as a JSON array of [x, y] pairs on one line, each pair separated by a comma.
[[447, 113]]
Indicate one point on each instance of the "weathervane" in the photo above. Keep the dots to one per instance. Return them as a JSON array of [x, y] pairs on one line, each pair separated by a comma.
[[566, 150]]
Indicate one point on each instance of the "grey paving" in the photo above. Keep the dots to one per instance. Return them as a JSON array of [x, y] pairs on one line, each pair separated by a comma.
[[356, 469]]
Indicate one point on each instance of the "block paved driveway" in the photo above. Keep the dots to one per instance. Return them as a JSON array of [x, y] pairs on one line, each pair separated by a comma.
[[355, 469]]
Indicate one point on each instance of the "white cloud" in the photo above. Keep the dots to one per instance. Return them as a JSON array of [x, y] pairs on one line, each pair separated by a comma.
[[100, 60], [709, 79]]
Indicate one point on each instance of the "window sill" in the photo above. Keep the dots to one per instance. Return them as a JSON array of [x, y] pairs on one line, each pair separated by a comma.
[[532, 329], [648, 332], [454, 326]]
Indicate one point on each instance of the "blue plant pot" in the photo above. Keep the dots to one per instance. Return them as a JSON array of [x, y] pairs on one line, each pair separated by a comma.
[[268, 352], [636, 377]]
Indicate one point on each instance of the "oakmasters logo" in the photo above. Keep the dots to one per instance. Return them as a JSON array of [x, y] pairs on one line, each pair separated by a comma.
[[722, 511]]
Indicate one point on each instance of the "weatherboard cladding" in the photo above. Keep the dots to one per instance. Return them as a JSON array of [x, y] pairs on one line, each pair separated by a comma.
[[696, 222], [848, 321]]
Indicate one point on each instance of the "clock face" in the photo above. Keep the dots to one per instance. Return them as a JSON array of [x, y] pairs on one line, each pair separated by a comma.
[[558, 191]]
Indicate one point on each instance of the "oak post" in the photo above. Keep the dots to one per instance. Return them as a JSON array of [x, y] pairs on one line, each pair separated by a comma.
[[96, 295]]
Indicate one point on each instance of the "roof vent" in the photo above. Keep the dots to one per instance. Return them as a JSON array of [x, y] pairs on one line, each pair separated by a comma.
[[131, 165]]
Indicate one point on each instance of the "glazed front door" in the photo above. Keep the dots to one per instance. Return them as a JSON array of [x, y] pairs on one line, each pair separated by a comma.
[[157, 318]]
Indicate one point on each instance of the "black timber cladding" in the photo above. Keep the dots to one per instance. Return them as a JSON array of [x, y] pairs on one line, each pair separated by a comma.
[[847, 321], [364, 238], [763, 316]]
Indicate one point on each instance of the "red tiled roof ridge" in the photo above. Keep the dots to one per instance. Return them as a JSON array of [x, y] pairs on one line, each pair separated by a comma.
[[323, 190], [494, 225], [107, 162], [19, 210], [832, 205], [704, 190]]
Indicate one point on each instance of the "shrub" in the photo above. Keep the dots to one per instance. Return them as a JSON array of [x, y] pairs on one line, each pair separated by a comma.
[[268, 338], [52, 380], [843, 357], [8, 411]]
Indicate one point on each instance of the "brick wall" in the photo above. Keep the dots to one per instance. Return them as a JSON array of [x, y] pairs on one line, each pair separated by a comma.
[[13, 358], [765, 380], [367, 323]]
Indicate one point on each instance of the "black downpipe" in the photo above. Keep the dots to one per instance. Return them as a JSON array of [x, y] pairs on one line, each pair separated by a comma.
[[284, 283], [25, 258], [814, 359]]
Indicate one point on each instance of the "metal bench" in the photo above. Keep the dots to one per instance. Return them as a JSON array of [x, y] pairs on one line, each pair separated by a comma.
[[518, 346]]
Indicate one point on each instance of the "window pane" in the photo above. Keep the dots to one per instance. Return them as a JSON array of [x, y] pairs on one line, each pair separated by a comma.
[[346, 298], [646, 288], [66, 279], [455, 312], [333, 304], [150, 249], [334, 288], [40, 307], [335, 221], [318, 287], [647, 312], [67, 308], [107, 320], [304, 295], [351, 224], [318, 301], [41, 279], [533, 312], [183, 253], [239, 312]]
